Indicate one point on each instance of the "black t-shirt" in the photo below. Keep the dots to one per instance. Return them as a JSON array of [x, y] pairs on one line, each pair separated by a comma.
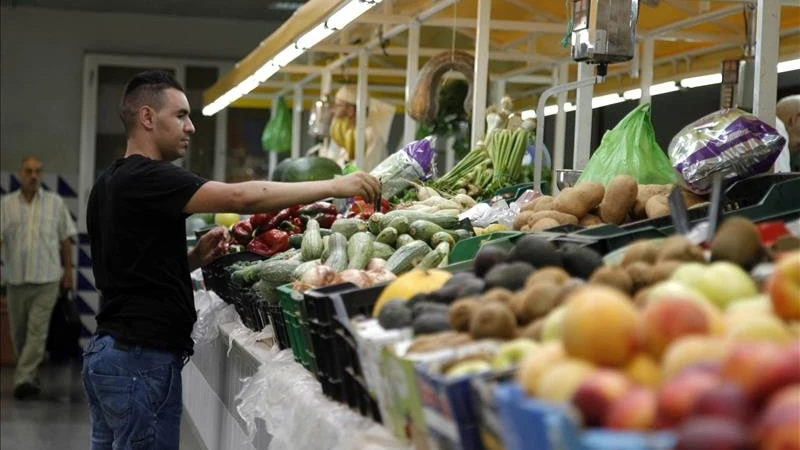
[[137, 232]]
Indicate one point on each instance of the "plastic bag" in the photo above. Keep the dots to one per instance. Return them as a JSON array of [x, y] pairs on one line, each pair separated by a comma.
[[412, 163], [277, 135], [630, 148], [211, 312], [729, 141]]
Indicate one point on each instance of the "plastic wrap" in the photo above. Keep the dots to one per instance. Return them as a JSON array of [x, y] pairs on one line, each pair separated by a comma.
[[483, 214], [412, 163], [730, 141], [246, 336], [211, 312]]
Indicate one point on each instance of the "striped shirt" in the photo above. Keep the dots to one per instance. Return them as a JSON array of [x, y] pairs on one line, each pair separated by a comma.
[[32, 234]]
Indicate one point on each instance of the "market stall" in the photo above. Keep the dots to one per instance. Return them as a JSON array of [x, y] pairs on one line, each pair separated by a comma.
[[494, 303]]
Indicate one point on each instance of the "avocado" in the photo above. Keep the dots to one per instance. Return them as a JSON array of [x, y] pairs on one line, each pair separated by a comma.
[[536, 252], [431, 322], [421, 308], [580, 261], [395, 314], [455, 288], [511, 276], [487, 257]]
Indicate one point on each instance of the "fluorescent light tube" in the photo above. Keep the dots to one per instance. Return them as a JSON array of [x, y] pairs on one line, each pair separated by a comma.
[[790, 65], [348, 13], [633, 94], [528, 114], [569, 107], [703, 80], [287, 55], [663, 88], [313, 37], [605, 100], [550, 110]]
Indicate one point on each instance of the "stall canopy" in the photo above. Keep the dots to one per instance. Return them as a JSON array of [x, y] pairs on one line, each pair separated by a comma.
[[688, 38]]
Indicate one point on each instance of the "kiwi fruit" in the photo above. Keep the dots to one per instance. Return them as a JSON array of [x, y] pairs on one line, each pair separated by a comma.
[[460, 313], [533, 330], [567, 288], [739, 242], [555, 275], [679, 248], [640, 273], [580, 261], [641, 250], [615, 277], [487, 257], [498, 294], [536, 252], [662, 270], [511, 276], [493, 320], [640, 299], [535, 301]]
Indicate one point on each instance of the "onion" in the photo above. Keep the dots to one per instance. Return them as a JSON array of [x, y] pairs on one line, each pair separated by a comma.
[[321, 275], [376, 264], [357, 277], [381, 276]]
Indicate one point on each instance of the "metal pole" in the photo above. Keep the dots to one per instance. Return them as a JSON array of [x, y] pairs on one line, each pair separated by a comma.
[[412, 70], [583, 118], [537, 158], [297, 119], [220, 144], [362, 101], [768, 19], [480, 78], [498, 91], [273, 155], [561, 119], [325, 83], [648, 52]]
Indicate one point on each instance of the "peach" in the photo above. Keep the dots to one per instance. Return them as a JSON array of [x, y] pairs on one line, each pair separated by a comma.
[[560, 381], [778, 373], [668, 319], [723, 400], [534, 363], [635, 410], [784, 287], [713, 433], [786, 394], [598, 391], [691, 350], [643, 370], [761, 367], [778, 428], [601, 325], [678, 395]]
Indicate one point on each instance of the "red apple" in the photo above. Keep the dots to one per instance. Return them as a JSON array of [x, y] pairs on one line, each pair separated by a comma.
[[779, 426], [678, 395], [667, 320], [713, 433], [635, 410], [784, 287], [724, 400], [598, 391], [756, 367], [778, 373]]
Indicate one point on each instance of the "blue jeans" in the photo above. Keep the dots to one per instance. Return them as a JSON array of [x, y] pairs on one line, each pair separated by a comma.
[[134, 396]]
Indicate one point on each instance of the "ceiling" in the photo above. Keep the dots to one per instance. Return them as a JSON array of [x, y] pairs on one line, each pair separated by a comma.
[[266, 10]]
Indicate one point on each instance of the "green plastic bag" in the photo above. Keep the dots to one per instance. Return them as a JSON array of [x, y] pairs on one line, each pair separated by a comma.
[[630, 148], [277, 135]]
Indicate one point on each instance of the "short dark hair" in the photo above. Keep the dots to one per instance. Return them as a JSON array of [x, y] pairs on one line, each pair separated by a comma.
[[145, 89]]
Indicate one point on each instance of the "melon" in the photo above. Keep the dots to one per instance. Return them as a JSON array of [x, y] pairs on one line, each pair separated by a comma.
[[310, 168]]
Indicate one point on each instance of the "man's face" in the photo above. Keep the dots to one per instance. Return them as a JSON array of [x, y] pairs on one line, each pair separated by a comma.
[[173, 126], [30, 174], [343, 110]]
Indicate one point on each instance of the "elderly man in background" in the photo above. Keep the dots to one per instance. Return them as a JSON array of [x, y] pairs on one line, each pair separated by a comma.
[[36, 230], [788, 125]]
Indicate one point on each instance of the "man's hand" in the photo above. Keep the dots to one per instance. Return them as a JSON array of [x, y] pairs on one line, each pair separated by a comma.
[[209, 246], [358, 183], [66, 280]]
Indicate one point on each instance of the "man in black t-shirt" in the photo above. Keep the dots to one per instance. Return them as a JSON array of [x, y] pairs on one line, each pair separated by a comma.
[[136, 223]]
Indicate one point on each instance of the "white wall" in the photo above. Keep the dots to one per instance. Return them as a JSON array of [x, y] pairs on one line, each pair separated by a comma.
[[41, 64]]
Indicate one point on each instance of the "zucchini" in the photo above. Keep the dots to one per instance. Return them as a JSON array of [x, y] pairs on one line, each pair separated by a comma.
[[311, 248], [435, 256], [326, 248], [296, 240], [381, 250], [277, 272], [423, 230], [337, 259], [444, 221], [400, 224], [388, 236], [374, 223], [407, 257], [303, 268], [359, 250], [442, 236], [349, 227], [403, 239]]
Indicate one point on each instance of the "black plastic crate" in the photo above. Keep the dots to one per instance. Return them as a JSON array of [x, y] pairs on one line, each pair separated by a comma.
[[278, 325], [217, 278]]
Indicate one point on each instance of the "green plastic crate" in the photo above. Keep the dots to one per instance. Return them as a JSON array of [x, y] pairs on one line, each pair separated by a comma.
[[466, 249], [294, 314]]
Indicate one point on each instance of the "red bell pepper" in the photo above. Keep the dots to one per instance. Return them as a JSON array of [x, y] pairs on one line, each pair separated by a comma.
[[284, 214], [259, 220], [293, 226], [269, 243], [318, 208], [326, 220], [363, 210], [242, 232]]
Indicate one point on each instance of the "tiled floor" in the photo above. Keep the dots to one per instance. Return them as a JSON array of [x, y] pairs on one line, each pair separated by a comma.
[[59, 417]]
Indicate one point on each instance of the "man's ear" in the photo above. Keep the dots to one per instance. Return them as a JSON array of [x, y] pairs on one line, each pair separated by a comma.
[[147, 117]]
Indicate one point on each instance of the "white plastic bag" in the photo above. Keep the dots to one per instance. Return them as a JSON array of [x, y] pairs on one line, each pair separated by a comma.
[[211, 312]]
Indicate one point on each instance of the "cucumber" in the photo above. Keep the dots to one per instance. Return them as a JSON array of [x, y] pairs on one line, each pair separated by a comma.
[[403, 239], [374, 223], [388, 236], [359, 250], [277, 272], [311, 247], [442, 220], [400, 224], [337, 259], [423, 230], [435, 256], [407, 257], [381, 250], [442, 236], [349, 227]]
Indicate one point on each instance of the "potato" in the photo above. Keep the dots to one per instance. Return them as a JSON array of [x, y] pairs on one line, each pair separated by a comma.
[[522, 219], [543, 224], [579, 200], [615, 277], [640, 250], [590, 220], [691, 199], [657, 206], [532, 205], [644, 192], [619, 198], [561, 218]]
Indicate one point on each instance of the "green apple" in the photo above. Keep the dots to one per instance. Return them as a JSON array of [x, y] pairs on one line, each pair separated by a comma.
[[551, 329], [469, 367], [725, 282], [760, 304], [675, 289], [226, 219], [690, 274], [511, 353]]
